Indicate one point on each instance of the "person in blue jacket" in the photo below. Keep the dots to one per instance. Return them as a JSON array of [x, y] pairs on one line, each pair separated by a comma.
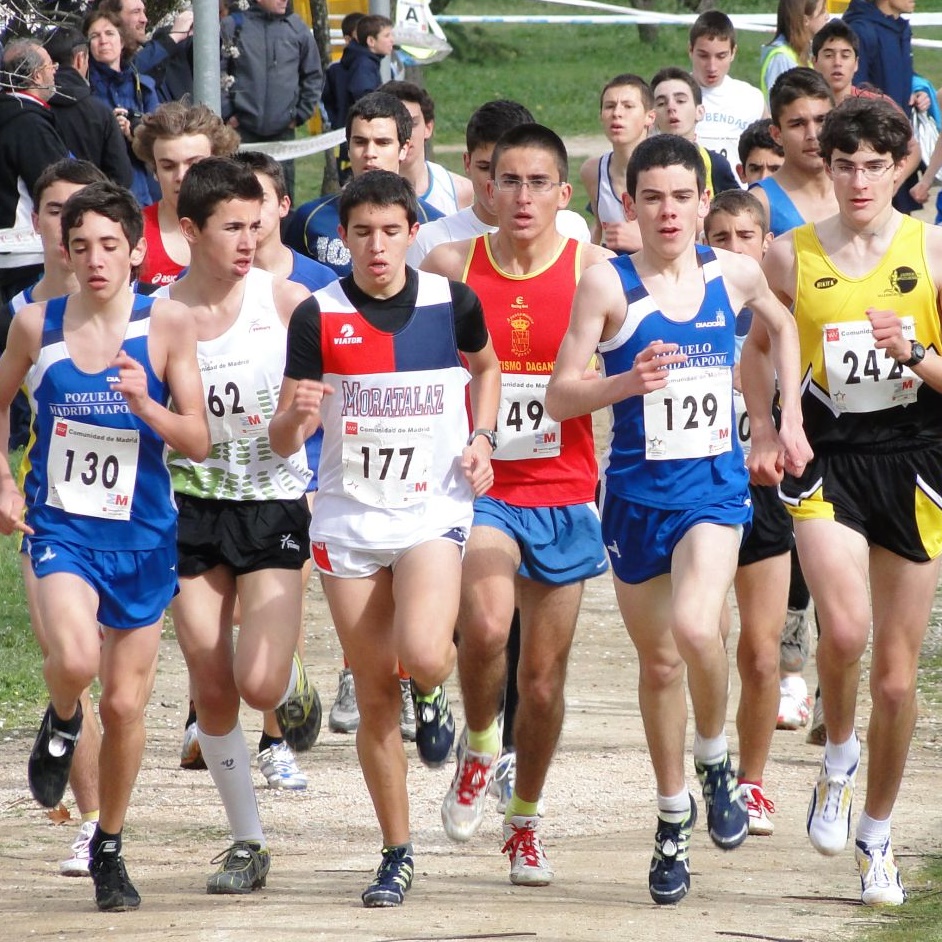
[[116, 81]]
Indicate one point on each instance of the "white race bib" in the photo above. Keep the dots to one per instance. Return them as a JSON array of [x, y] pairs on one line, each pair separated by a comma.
[[524, 428], [92, 470], [691, 417], [387, 461], [231, 398], [860, 377]]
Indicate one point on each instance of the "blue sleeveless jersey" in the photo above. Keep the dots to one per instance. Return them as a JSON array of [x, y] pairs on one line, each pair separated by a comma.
[[113, 459], [709, 340], [783, 214]]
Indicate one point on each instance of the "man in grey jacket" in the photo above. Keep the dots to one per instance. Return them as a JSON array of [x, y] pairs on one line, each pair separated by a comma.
[[272, 74]]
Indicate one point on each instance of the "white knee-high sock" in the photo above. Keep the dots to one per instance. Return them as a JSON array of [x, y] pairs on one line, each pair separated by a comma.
[[227, 758]]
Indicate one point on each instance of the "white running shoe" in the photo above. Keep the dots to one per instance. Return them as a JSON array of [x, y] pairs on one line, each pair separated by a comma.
[[793, 711], [77, 864], [829, 811], [759, 808], [463, 805], [880, 883], [279, 766], [528, 863]]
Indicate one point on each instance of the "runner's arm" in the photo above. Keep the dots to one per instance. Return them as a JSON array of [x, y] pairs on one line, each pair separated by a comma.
[[599, 302]]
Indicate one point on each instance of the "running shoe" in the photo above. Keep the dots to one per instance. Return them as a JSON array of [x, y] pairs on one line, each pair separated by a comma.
[[829, 811], [501, 786], [727, 818], [243, 867], [818, 733], [77, 864], [669, 878], [434, 726], [406, 711], [344, 714], [795, 644], [880, 883], [793, 709], [280, 768], [463, 805], [114, 892], [191, 756], [299, 717], [393, 878], [528, 863], [51, 757], [758, 808]]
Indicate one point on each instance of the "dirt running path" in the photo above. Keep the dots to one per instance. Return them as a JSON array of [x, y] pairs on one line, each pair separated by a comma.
[[598, 829]]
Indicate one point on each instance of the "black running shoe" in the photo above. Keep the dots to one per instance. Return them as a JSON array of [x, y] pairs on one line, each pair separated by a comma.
[[669, 879], [727, 817], [51, 758], [434, 726], [299, 717], [114, 892], [243, 867], [393, 878]]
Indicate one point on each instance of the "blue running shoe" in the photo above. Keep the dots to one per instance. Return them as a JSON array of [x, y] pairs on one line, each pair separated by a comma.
[[434, 726], [393, 878], [727, 816], [669, 879]]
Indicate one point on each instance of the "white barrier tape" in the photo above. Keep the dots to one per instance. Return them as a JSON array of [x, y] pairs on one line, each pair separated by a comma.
[[759, 22], [915, 19], [303, 147]]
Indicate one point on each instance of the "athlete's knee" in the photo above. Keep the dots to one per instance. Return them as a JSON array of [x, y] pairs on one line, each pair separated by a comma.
[[893, 692], [758, 658], [542, 690], [122, 705], [483, 636], [659, 673], [75, 667], [432, 665]]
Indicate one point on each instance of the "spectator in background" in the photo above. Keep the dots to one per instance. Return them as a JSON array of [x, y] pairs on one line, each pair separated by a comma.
[[885, 55], [885, 60], [797, 22], [272, 71], [29, 142], [167, 57], [355, 75], [86, 124], [118, 83]]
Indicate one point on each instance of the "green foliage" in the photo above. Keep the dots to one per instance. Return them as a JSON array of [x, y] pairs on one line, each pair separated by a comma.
[[558, 71], [921, 916], [22, 688]]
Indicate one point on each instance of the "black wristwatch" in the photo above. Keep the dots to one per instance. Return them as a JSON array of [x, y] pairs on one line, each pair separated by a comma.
[[490, 435], [917, 354]]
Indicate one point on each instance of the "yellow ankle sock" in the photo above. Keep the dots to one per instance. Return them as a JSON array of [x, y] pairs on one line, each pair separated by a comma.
[[487, 741], [518, 807]]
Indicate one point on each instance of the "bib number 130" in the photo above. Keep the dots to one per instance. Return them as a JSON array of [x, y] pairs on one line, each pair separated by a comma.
[[92, 470]]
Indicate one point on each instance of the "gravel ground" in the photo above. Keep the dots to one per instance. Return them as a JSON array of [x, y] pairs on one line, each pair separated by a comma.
[[598, 830]]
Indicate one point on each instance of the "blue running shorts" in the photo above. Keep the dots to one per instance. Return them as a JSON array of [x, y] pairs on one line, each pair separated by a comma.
[[558, 545]]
